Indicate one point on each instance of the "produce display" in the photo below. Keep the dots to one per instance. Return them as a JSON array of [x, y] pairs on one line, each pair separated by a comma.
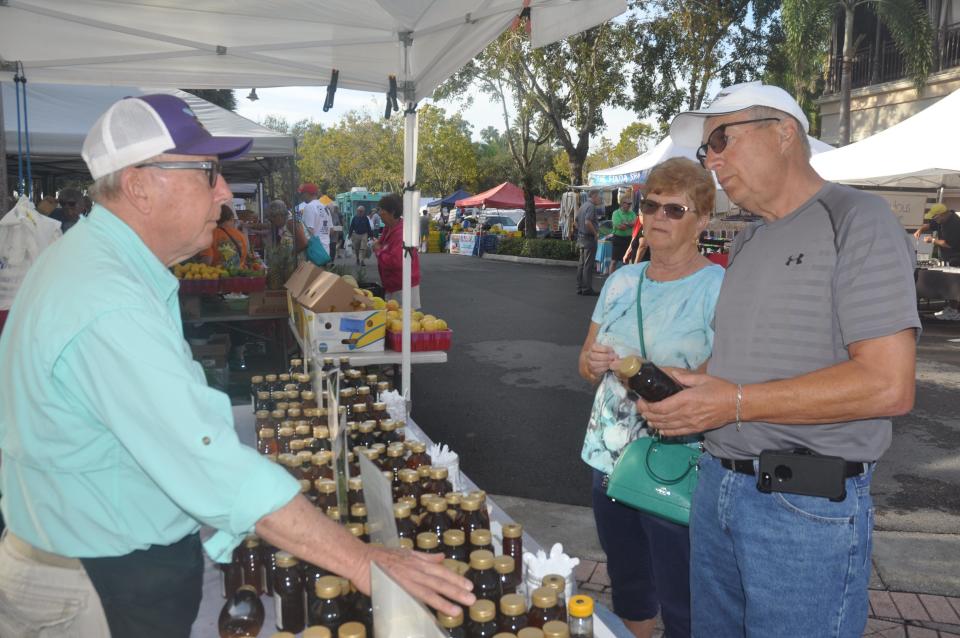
[[200, 279], [427, 332]]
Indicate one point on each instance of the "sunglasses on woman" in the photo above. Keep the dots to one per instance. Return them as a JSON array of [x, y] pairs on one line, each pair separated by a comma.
[[673, 211], [717, 141]]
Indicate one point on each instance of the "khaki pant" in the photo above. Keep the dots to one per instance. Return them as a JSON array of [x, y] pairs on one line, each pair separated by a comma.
[[359, 246], [43, 595]]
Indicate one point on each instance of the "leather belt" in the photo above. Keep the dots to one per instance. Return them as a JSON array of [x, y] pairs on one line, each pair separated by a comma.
[[746, 467], [25, 550]]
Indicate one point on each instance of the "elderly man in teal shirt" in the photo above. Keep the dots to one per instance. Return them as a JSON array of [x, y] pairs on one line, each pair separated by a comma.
[[115, 451]]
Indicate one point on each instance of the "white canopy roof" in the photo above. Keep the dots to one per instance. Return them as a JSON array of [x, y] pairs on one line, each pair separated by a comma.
[[60, 116], [635, 171], [922, 151], [240, 43]]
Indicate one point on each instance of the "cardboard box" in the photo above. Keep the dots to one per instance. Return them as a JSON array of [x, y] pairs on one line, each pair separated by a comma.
[[267, 302], [319, 290], [337, 332], [214, 353]]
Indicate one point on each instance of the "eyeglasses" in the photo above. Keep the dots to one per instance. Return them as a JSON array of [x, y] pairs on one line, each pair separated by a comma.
[[717, 141], [212, 168], [673, 211]]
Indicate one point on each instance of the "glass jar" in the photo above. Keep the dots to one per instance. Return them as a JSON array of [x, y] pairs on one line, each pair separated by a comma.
[[470, 518], [439, 482], [556, 629], [231, 576], [288, 594], [333, 513], [256, 385], [262, 420], [436, 520], [364, 398], [325, 609], [418, 456], [405, 526], [580, 614], [394, 463], [455, 545], [308, 471], [322, 434], [272, 383], [382, 388], [242, 614], [284, 436], [374, 457], [427, 543], [309, 399], [359, 413], [268, 558], [358, 513], [482, 496], [326, 490], [513, 613], [323, 461], [276, 418], [483, 615], [371, 380], [355, 492], [506, 569], [424, 472], [486, 582], [248, 555], [296, 445], [452, 625], [354, 378], [409, 485], [481, 539], [352, 630], [301, 430], [559, 585], [348, 398], [513, 545], [267, 443], [543, 607]]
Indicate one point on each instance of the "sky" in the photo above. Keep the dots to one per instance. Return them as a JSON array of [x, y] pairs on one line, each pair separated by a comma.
[[297, 103]]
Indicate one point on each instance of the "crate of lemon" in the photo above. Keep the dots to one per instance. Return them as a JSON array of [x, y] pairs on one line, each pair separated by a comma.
[[427, 332], [201, 279]]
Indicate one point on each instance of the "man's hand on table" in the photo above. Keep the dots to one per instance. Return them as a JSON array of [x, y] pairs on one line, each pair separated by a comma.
[[423, 575]]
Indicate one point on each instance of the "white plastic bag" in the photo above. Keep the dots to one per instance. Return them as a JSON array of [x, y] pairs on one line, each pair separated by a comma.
[[24, 234]]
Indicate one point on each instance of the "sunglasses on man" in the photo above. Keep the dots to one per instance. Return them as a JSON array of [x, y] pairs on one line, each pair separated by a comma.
[[673, 211], [211, 168], [717, 140]]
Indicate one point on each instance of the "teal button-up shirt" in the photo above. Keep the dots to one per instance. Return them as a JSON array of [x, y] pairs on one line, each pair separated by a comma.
[[112, 441]]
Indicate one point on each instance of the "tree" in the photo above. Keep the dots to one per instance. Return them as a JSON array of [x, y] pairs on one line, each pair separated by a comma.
[[906, 20], [681, 48], [526, 132], [223, 98], [570, 82], [280, 181], [634, 140], [446, 158]]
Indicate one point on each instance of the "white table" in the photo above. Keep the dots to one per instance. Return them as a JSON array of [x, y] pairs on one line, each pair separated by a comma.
[[606, 624]]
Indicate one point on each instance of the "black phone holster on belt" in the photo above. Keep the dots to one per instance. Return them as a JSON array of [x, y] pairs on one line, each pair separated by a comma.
[[803, 471]]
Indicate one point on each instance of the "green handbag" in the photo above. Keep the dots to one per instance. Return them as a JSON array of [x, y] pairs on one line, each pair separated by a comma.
[[652, 475]]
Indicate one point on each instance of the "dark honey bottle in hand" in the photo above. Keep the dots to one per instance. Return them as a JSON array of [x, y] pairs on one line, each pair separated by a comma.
[[647, 380]]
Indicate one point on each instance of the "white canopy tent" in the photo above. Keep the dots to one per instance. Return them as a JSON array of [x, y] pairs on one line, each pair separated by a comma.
[[220, 44], [635, 171], [61, 114], [919, 152]]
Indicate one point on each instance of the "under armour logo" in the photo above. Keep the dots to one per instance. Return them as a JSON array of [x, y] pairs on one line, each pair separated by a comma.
[[795, 260]]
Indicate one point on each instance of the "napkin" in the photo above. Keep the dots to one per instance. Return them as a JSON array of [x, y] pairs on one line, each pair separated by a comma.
[[442, 456], [541, 564]]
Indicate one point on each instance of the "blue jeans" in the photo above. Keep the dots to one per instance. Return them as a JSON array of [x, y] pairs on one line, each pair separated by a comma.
[[777, 564]]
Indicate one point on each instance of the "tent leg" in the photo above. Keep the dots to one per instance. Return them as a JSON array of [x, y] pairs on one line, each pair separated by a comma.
[[4, 187], [410, 230]]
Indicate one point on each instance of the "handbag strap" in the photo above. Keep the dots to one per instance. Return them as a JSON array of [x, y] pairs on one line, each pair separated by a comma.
[[666, 481], [643, 348]]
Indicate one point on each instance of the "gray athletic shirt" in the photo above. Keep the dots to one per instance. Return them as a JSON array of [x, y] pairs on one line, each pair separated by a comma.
[[797, 293]]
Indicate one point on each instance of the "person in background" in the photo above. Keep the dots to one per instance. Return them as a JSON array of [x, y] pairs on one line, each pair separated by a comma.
[[815, 349], [376, 222], [624, 219], [47, 205], [336, 230], [637, 250], [946, 223], [87, 205], [229, 247], [71, 205], [315, 215], [105, 486], [648, 558], [389, 252], [424, 229], [588, 223], [360, 231]]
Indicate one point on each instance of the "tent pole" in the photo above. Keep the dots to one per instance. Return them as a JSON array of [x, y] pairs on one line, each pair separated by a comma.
[[4, 188], [410, 228]]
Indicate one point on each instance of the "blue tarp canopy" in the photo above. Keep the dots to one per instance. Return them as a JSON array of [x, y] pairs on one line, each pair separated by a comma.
[[449, 200]]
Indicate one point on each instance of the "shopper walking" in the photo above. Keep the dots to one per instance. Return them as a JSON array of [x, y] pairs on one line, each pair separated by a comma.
[[815, 350], [587, 224], [648, 557], [115, 450], [315, 215], [360, 232]]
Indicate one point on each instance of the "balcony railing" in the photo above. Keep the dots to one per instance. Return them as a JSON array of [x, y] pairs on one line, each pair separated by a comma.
[[890, 64]]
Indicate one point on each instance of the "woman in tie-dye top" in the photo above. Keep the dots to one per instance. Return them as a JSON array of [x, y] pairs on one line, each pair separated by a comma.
[[648, 557]]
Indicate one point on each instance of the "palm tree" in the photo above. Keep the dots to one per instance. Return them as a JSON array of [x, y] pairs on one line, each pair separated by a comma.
[[804, 24]]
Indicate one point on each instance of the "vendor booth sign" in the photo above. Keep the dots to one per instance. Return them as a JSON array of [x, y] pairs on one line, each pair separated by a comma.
[[463, 244]]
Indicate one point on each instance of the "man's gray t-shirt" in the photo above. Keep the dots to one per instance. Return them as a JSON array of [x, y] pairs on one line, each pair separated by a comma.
[[797, 293], [587, 212]]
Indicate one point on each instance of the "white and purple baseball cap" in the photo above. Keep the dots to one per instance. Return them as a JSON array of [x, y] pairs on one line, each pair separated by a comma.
[[135, 129]]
